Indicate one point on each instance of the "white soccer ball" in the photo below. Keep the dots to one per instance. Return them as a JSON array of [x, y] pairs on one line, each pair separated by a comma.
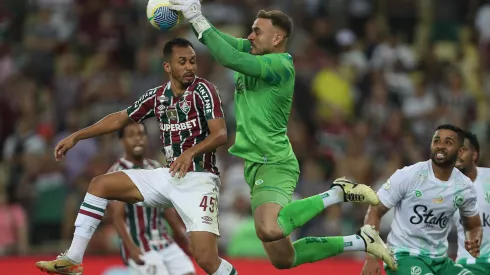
[[160, 16]]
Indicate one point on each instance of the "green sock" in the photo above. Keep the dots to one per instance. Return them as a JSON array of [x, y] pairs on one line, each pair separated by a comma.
[[312, 249], [299, 212]]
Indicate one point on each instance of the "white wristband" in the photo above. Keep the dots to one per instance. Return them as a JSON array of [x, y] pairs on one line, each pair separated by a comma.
[[200, 24]]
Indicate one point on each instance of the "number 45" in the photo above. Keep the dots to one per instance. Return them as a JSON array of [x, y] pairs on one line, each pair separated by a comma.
[[208, 202]]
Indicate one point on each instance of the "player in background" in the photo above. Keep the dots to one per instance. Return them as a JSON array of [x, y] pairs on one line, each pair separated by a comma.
[[142, 230], [480, 177], [192, 126], [264, 81], [425, 196]]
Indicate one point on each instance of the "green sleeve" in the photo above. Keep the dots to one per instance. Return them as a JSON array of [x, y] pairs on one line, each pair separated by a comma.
[[271, 68], [240, 44]]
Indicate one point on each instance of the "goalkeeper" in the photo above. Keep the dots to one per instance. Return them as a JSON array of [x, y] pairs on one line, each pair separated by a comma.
[[264, 82]]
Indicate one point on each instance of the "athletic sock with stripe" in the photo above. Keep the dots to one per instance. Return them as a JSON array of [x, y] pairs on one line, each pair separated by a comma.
[[88, 218], [225, 268]]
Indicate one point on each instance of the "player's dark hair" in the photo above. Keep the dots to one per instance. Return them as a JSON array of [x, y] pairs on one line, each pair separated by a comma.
[[176, 42], [473, 141], [120, 133], [278, 19], [454, 128]]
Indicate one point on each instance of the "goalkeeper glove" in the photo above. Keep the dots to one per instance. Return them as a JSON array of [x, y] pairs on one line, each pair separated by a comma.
[[191, 9]]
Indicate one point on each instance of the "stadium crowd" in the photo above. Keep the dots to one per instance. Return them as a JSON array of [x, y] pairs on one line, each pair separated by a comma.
[[373, 80]]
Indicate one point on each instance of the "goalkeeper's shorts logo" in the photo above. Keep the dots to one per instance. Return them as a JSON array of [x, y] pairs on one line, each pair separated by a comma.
[[415, 270]]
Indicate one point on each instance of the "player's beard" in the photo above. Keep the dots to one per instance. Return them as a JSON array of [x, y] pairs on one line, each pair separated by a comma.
[[185, 84], [449, 161]]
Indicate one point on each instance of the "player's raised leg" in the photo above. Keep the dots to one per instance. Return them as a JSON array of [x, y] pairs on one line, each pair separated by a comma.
[[284, 255], [112, 186], [276, 217]]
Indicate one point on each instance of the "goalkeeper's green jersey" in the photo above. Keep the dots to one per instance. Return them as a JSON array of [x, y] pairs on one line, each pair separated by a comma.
[[264, 86]]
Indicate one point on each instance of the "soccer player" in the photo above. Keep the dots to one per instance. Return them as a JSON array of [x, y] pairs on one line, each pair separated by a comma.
[[480, 177], [192, 126], [264, 82], [142, 230], [425, 196]]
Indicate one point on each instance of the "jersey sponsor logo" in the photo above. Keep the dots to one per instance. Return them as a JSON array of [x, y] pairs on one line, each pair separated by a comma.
[[179, 126], [438, 200], [485, 219], [415, 270], [206, 99], [487, 196], [458, 201], [144, 97], [426, 216], [163, 99]]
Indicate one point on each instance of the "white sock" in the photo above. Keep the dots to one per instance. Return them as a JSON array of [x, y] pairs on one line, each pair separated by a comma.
[[225, 268], [354, 243], [332, 196], [88, 218]]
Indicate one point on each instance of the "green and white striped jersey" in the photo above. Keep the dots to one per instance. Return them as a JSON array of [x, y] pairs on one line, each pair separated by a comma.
[[146, 225]]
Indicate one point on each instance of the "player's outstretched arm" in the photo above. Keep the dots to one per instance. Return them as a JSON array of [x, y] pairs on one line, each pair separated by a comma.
[[261, 67], [240, 44], [258, 66], [118, 215], [108, 124], [178, 228]]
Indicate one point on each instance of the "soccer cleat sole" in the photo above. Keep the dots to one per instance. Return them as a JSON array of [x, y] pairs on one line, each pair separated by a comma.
[[57, 273]]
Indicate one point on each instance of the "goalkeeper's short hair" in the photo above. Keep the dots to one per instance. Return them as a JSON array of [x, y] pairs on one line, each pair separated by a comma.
[[279, 19]]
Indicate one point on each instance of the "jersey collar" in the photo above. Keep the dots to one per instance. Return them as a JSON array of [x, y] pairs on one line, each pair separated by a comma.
[[131, 165]]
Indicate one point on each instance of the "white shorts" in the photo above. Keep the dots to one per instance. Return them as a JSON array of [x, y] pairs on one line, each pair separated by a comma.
[[169, 261], [194, 197]]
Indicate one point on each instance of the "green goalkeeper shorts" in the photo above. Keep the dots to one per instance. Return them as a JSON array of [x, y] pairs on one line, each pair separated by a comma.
[[274, 182], [420, 265]]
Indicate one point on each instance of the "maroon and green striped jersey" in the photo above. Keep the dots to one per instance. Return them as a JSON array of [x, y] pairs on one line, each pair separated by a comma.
[[146, 225], [183, 120]]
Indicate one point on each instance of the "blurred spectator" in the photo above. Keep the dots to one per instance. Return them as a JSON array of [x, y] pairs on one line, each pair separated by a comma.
[[13, 225], [373, 80]]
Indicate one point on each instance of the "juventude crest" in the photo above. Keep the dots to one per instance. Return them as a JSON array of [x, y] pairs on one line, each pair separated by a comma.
[[487, 196], [458, 201], [185, 106], [415, 270]]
